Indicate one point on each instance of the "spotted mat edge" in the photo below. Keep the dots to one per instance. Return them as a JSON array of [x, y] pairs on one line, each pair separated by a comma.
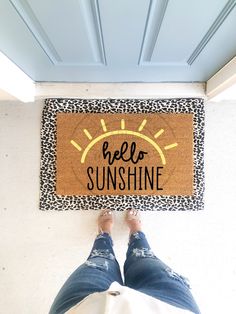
[[50, 201]]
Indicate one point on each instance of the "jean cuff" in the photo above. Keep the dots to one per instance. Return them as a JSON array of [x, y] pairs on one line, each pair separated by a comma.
[[138, 235]]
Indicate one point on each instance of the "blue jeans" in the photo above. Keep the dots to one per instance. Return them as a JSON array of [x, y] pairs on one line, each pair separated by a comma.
[[143, 271]]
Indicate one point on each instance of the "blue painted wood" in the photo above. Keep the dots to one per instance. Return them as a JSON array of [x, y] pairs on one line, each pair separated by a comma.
[[123, 24], [32, 23], [118, 41], [64, 27], [18, 43], [183, 29], [154, 20], [229, 6]]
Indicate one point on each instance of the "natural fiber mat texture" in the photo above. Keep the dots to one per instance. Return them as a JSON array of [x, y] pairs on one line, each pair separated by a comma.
[[122, 153]]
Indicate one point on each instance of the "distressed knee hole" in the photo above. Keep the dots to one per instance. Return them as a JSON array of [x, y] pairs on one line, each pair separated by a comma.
[[102, 253], [100, 236], [143, 252], [136, 235], [176, 276], [99, 265]]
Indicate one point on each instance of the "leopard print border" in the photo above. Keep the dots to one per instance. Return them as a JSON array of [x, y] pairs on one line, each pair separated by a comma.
[[50, 201]]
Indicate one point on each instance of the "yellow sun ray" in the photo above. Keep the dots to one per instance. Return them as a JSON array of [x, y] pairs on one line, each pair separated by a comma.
[[122, 124], [89, 136], [170, 146], [159, 133], [103, 125], [123, 131], [76, 145], [142, 125]]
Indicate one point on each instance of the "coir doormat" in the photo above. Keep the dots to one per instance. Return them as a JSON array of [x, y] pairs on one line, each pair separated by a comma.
[[145, 154]]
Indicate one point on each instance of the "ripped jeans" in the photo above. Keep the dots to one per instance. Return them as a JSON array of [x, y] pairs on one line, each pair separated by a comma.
[[143, 271]]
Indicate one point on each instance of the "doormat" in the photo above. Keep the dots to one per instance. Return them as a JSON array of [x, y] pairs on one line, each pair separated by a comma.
[[122, 153]]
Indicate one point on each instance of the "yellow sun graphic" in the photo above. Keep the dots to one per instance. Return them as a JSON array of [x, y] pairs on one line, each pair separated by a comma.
[[123, 131]]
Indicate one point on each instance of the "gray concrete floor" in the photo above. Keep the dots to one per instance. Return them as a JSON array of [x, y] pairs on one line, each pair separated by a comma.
[[38, 250]]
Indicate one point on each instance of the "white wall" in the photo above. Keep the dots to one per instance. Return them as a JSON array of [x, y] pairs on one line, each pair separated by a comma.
[[38, 250]]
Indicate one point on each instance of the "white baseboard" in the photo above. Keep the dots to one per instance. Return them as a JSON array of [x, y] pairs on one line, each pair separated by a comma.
[[119, 90]]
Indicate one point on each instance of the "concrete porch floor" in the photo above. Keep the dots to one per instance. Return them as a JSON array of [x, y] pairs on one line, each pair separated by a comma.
[[40, 249]]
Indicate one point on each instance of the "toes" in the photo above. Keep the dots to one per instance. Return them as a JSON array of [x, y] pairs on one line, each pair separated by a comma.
[[132, 214], [105, 212]]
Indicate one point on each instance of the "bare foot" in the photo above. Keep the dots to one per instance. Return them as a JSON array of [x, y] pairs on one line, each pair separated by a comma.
[[133, 221], [105, 221]]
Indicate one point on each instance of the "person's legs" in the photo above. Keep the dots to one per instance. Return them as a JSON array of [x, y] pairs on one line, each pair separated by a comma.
[[95, 275], [144, 272]]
